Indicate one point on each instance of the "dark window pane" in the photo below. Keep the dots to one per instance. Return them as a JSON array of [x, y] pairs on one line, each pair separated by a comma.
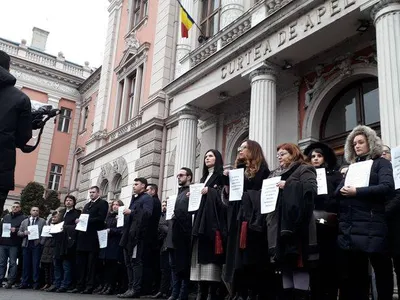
[[204, 10], [214, 24], [343, 116], [371, 102]]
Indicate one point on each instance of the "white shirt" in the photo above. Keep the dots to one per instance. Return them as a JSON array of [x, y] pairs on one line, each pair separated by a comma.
[[210, 173]]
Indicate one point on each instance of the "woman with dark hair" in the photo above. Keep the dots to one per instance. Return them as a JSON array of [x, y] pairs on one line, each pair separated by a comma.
[[292, 239], [363, 229], [324, 279], [209, 229], [112, 255], [246, 270]]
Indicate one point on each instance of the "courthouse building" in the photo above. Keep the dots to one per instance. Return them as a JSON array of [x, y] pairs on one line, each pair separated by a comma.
[[273, 71]]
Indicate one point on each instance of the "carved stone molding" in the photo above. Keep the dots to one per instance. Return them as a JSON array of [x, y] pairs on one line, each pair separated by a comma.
[[381, 5]]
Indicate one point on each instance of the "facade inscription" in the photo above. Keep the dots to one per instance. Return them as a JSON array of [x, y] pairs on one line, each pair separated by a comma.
[[297, 30]]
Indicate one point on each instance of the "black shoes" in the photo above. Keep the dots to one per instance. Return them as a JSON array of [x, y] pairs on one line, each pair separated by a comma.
[[159, 295], [61, 290]]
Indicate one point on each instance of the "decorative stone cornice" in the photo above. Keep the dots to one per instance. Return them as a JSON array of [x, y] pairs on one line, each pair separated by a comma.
[[131, 59], [210, 121], [189, 111], [266, 69], [114, 4], [381, 5], [91, 81]]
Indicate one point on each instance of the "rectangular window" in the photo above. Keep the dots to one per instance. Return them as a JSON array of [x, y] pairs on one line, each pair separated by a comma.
[[85, 114], [210, 17], [64, 119], [139, 11], [55, 177]]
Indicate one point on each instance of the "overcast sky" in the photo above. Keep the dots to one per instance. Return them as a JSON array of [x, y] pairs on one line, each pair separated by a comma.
[[77, 27]]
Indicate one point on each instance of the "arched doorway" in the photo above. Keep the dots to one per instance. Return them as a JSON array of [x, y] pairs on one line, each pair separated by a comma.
[[356, 104]]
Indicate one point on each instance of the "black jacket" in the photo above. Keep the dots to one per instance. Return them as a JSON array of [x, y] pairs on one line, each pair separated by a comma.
[[15, 220], [393, 219], [66, 240], [89, 241], [15, 126], [362, 220], [113, 251], [329, 202]]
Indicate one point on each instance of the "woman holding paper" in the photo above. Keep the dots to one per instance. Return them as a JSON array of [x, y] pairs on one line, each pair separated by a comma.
[[209, 229], [247, 271], [363, 230], [324, 279], [112, 254], [292, 239]]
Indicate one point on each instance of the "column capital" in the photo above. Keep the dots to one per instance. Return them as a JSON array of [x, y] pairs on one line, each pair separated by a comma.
[[188, 112], [265, 72], [383, 7]]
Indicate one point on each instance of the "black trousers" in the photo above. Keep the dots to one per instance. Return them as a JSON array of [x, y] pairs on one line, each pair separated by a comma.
[[111, 272], [355, 279], [165, 283], [129, 268], [86, 266], [3, 198]]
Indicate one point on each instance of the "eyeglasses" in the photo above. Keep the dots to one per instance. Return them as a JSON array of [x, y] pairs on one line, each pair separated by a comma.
[[281, 154], [15, 206]]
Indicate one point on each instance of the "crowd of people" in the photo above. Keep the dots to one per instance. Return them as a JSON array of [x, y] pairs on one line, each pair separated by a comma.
[[312, 245]]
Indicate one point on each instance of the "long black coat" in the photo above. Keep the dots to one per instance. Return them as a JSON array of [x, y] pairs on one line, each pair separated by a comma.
[[210, 218], [329, 202], [393, 219], [66, 240], [362, 222], [15, 126], [88, 241], [113, 251]]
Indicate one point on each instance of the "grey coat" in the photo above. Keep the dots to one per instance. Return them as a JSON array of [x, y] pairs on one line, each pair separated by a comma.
[[24, 226]]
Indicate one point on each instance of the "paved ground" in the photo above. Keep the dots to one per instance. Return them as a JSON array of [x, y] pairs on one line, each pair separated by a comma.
[[15, 294]]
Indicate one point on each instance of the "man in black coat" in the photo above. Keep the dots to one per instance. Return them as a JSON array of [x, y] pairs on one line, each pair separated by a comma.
[[10, 246], [137, 235], [65, 246], [87, 245], [15, 126], [179, 238]]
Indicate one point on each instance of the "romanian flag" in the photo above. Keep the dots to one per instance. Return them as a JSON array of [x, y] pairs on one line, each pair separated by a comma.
[[186, 22]]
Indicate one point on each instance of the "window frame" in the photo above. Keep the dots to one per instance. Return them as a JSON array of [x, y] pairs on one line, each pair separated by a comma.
[[140, 10], [63, 118], [85, 115], [208, 18], [336, 141], [54, 173]]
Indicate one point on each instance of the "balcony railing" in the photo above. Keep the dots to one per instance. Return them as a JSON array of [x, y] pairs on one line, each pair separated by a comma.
[[22, 51], [233, 31], [125, 128]]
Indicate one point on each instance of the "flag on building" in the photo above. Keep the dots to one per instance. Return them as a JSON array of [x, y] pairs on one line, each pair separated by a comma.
[[186, 22]]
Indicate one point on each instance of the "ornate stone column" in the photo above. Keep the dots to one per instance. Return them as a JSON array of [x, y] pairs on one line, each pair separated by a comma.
[[230, 11], [187, 140], [386, 16], [262, 124]]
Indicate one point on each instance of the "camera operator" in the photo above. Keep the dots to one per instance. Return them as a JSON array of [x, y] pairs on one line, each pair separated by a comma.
[[15, 126]]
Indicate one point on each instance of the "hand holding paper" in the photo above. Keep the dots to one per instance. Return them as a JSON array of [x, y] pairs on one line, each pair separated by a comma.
[[120, 216], [6, 230], [170, 207], [269, 194], [236, 184], [195, 196], [83, 222]]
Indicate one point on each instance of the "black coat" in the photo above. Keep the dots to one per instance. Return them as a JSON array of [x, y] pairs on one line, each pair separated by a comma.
[[329, 202], [162, 232], [210, 219], [88, 241], [113, 251], [393, 219], [362, 223], [66, 240], [15, 126], [180, 233], [15, 220]]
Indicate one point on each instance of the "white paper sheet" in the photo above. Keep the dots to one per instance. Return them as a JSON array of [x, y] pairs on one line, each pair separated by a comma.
[[396, 166], [269, 194], [57, 228], [46, 231], [134, 253], [33, 232], [83, 222], [170, 207], [358, 174], [120, 216], [321, 181], [103, 238], [195, 196], [236, 184], [6, 230]]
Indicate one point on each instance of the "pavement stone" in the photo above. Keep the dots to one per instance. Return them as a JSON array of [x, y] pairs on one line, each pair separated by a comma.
[[15, 294]]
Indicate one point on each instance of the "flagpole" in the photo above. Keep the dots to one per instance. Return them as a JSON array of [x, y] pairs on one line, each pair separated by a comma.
[[194, 22]]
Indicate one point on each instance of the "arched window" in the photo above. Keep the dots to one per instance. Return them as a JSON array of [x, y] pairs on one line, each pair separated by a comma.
[[104, 189], [357, 104], [118, 186]]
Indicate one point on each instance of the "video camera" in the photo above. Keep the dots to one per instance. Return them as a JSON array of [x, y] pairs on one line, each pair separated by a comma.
[[41, 113]]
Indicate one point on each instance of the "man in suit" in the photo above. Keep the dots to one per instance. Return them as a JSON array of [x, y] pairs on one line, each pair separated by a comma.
[[87, 245], [137, 235], [31, 249]]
